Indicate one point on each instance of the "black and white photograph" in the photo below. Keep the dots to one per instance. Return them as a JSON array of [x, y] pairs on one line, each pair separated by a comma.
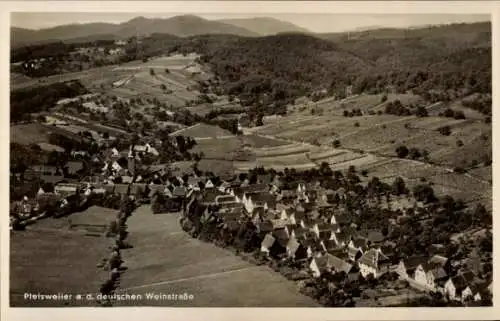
[[266, 159]]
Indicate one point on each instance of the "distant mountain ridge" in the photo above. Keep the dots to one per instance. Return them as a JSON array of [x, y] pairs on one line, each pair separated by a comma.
[[266, 26], [181, 26]]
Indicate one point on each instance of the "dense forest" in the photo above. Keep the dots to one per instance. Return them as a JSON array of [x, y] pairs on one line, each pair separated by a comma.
[[32, 100]]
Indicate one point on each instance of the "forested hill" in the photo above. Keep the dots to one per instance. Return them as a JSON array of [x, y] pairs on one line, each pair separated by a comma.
[[281, 66], [449, 62], [433, 59]]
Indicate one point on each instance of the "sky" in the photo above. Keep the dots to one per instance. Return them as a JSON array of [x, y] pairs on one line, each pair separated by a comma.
[[312, 22]]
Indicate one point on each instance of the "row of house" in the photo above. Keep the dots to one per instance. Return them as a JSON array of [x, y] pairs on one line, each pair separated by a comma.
[[434, 275], [301, 225]]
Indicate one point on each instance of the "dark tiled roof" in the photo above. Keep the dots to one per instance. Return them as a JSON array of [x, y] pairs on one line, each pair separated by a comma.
[[281, 236], [232, 225], [325, 235], [179, 192], [329, 245], [438, 273], [438, 260], [373, 235], [225, 199], [209, 195], [255, 188], [137, 189], [338, 264], [74, 167], [300, 231], [121, 189], [266, 226], [360, 242], [373, 258]]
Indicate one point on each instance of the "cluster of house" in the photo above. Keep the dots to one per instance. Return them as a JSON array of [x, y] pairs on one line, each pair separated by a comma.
[[300, 223], [435, 274]]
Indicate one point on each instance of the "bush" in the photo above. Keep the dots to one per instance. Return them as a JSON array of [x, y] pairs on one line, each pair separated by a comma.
[[414, 153], [383, 99], [445, 131], [421, 112], [460, 143], [356, 124], [424, 193], [399, 186], [336, 143], [402, 151], [449, 113], [459, 115]]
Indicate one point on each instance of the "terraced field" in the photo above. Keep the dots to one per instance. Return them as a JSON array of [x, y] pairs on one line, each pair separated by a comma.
[[369, 143], [218, 148]]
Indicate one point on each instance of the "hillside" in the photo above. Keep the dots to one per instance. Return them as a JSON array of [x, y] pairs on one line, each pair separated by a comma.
[[440, 63], [281, 67], [265, 26], [185, 25]]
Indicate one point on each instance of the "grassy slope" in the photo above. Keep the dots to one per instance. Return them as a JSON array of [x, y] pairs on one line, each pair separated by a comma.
[[164, 254]]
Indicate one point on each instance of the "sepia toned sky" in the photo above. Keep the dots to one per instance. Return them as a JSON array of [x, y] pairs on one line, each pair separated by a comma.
[[313, 22]]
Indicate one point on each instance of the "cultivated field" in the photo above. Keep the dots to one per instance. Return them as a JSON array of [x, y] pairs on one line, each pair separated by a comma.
[[166, 260], [29, 134], [201, 130], [218, 148], [52, 260], [369, 143]]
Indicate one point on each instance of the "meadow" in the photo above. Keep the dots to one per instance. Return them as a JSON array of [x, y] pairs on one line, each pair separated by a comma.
[[167, 260], [52, 260]]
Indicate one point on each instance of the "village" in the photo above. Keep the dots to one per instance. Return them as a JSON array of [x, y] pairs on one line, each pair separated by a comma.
[[199, 158], [345, 242]]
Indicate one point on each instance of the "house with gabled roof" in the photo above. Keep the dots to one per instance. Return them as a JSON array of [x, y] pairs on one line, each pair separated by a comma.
[[298, 232], [373, 262], [342, 238], [295, 249], [287, 196], [313, 246], [209, 183], [406, 267], [320, 228], [463, 287], [267, 243], [356, 247], [193, 182], [328, 263], [329, 245], [224, 187], [435, 276], [209, 195], [297, 218]]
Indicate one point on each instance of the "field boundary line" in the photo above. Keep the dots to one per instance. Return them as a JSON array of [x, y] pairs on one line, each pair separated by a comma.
[[205, 276]]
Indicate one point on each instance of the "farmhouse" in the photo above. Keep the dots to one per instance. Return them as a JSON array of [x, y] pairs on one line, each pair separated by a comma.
[[373, 262], [328, 263], [67, 189]]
